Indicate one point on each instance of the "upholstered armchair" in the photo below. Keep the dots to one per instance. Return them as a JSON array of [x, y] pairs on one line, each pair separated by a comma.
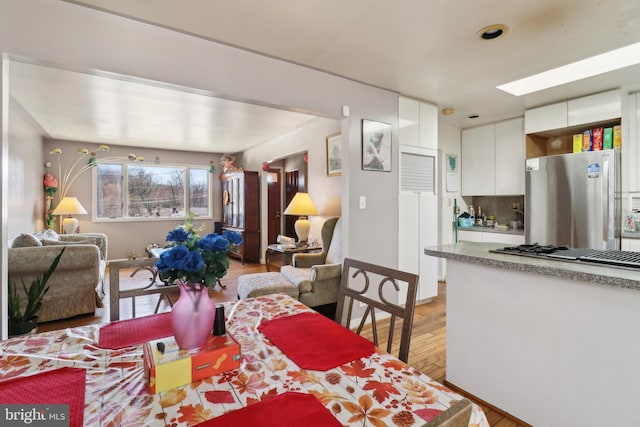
[[317, 275]]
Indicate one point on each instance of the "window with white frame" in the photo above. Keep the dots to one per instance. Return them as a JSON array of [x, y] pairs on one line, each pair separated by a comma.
[[128, 191]]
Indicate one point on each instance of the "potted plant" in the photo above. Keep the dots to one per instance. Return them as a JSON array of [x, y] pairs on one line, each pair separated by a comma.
[[22, 322]]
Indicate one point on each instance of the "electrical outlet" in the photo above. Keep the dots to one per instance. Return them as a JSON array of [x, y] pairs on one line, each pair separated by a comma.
[[363, 202]]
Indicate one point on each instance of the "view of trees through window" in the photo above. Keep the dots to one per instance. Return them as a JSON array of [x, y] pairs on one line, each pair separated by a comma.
[[151, 191]]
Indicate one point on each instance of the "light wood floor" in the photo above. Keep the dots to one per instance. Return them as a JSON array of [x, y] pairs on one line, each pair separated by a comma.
[[428, 340]]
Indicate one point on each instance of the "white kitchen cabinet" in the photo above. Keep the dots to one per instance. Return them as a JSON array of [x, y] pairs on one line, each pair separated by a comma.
[[490, 237], [631, 144], [493, 158], [409, 123], [418, 217], [545, 118], [469, 236], [510, 157], [418, 199], [630, 244], [594, 108], [507, 239], [477, 161], [428, 126], [418, 123], [588, 109]]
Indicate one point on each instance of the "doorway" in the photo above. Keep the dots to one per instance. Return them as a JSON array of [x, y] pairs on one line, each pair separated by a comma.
[[274, 205], [292, 183], [292, 173]]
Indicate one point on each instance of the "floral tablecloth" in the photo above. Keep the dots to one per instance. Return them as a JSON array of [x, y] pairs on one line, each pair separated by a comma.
[[377, 390]]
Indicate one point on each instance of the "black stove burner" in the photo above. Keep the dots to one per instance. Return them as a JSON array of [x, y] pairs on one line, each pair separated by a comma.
[[610, 257], [534, 249]]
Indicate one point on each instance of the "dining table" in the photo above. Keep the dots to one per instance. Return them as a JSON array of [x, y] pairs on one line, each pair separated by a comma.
[[281, 364]]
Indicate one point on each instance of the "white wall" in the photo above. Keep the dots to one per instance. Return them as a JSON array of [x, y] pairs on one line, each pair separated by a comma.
[[25, 190], [83, 39], [325, 191], [448, 143]]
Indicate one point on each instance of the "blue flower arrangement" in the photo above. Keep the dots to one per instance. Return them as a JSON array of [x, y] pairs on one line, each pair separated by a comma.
[[195, 259]]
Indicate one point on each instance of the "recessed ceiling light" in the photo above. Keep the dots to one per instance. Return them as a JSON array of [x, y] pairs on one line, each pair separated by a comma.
[[473, 116], [448, 111], [593, 66], [492, 31]]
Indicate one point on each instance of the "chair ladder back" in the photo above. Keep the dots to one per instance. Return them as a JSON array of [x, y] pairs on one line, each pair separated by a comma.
[[352, 269]]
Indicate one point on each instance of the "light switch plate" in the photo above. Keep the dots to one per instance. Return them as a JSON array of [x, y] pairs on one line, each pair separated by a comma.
[[363, 202]]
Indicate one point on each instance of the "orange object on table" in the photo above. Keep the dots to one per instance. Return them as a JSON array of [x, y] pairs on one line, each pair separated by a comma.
[[166, 366]]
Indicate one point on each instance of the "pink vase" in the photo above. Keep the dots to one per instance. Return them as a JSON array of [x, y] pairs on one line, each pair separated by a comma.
[[192, 316]]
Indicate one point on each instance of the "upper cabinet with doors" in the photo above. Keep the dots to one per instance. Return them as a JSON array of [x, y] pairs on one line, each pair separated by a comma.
[[493, 159], [550, 129], [478, 161], [510, 157], [575, 112], [418, 123]]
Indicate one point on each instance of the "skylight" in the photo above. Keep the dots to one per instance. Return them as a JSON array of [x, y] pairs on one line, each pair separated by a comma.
[[589, 67]]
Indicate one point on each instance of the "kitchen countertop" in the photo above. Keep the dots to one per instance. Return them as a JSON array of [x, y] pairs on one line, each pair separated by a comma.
[[478, 253], [484, 229]]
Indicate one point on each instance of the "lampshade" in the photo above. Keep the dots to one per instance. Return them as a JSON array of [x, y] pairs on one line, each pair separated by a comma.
[[303, 206], [69, 206]]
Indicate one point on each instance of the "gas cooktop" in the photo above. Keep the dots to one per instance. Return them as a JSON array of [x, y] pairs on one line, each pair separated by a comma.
[[610, 257], [533, 249]]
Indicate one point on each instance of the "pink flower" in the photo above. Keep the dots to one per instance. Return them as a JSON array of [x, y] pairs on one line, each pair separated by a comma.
[[50, 181]]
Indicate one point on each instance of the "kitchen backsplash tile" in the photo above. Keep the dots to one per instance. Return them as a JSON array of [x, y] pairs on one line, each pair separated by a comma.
[[499, 206]]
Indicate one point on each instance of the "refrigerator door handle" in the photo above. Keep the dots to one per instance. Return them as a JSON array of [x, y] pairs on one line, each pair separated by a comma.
[[607, 214]]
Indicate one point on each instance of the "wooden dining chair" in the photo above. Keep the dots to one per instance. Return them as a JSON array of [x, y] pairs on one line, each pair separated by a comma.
[[378, 289]]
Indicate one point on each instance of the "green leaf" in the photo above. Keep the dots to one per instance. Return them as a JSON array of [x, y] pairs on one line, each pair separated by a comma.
[[35, 293]]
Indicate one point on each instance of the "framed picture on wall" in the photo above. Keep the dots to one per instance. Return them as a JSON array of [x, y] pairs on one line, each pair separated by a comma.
[[334, 155], [376, 146]]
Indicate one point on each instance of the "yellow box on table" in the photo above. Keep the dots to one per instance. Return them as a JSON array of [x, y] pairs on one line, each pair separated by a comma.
[[166, 366]]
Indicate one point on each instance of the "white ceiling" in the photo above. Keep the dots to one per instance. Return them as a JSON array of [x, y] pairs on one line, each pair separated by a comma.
[[106, 109], [426, 49]]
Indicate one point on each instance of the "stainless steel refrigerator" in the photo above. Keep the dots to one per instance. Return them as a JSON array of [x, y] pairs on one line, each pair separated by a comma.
[[574, 200]]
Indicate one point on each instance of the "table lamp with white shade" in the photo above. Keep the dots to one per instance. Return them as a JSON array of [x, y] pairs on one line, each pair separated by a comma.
[[69, 206], [303, 206]]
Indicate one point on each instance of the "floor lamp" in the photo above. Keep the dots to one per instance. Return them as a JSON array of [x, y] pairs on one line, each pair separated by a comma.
[[69, 206], [303, 206]]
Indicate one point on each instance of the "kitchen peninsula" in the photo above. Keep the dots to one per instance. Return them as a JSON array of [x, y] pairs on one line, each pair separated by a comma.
[[552, 342]]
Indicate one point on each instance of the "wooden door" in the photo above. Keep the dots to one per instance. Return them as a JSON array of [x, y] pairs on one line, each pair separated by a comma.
[[274, 211], [292, 182]]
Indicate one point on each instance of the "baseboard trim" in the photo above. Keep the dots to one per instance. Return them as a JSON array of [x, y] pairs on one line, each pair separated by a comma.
[[482, 402]]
